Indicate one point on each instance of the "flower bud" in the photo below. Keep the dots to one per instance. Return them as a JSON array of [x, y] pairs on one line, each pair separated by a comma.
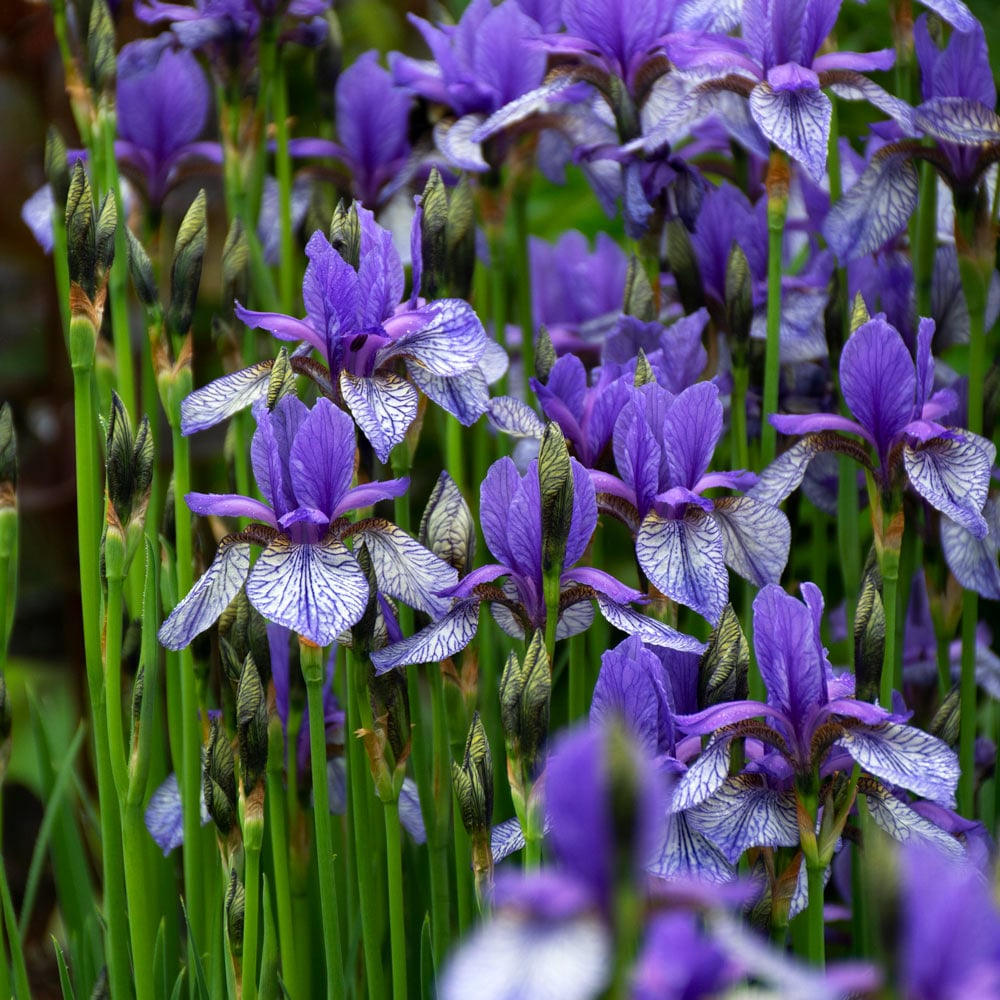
[[235, 255], [739, 301], [724, 666], [281, 381], [638, 293], [684, 266], [555, 480], [545, 355], [391, 704], [433, 236], [80, 231], [251, 725], [345, 234], [56, 167], [473, 780], [461, 249], [235, 913], [140, 268], [185, 276], [644, 374], [869, 633], [945, 723], [8, 458], [104, 239], [219, 778], [101, 48], [447, 528], [536, 696]]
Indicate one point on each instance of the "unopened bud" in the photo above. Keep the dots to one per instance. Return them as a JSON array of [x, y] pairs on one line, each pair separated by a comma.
[[684, 266], [8, 457], [104, 239], [555, 480], [724, 666], [56, 167], [189, 253], [447, 528], [251, 725], [345, 234], [433, 236], [545, 355], [473, 780], [141, 270], [536, 697], [235, 255], [869, 633], [80, 228], [639, 300], [859, 313], [281, 381], [644, 374], [461, 252], [739, 300], [219, 778], [945, 724], [235, 913], [392, 705], [101, 48]]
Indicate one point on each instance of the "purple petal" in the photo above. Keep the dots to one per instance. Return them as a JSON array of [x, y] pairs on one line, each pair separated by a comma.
[[464, 396], [756, 538], [956, 13], [331, 296], [513, 416], [281, 326], [705, 776], [496, 495], [506, 838], [785, 474], [958, 120], [36, 213], [383, 406], [370, 494], [691, 430], [860, 62], [439, 640], [410, 815], [456, 143], [638, 453], [898, 820], [322, 458], [603, 583], [953, 475], [797, 121], [684, 559], [270, 450], [209, 597], [583, 520], [875, 210], [445, 337], [213, 403], [316, 590], [685, 853], [974, 560], [878, 381], [406, 570], [229, 505], [789, 655]]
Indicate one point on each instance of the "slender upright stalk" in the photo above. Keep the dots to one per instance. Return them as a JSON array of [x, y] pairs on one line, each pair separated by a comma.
[[579, 695], [816, 940], [890, 603], [312, 670], [522, 279], [251, 918], [283, 167], [113, 684], [777, 210], [394, 870], [848, 543], [440, 833]]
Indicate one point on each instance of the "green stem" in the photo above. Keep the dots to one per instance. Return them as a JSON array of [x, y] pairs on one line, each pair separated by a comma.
[[522, 280], [441, 826], [312, 671], [816, 942], [738, 417], [113, 684], [394, 870], [88, 533], [967, 712], [142, 915], [848, 543], [22, 988], [359, 782], [283, 167], [942, 647], [777, 210], [251, 919], [926, 241], [579, 695], [890, 585]]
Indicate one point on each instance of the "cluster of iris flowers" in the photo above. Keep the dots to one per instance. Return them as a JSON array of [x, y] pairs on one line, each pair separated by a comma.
[[560, 616]]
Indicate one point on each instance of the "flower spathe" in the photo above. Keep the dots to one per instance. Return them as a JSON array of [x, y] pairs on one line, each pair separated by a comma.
[[306, 578]]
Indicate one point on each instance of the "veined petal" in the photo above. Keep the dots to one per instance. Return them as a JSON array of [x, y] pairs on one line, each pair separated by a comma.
[[369, 494], [652, 632], [785, 474], [212, 403], [209, 597], [974, 560], [756, 538], [506, 838], [956, 13], [317, 590], [684, 559], [229, 505], [534, 102], [705, 776], [603, 583], [875, 209], [456, 142], [445, 337], [464, 396], [513, 416], [164, 816], [410, 816], [383, 406], [898, 820], [905, 756], [953, 475], [406, 570], [691, 429], [745, 814], [436, 642], [797, 121], [686, 852], [958, 120], [572, 621]]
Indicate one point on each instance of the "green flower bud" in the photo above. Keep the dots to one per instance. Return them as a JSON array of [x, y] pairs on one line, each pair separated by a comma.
[[461, 250], [947, 718], [555, 478], [739, 301], [433, 236], [345, 234], [644, 374], [56, 167], [724, 666], [869, 633], [684, 265], [189, 253], [281, 381], [639, 300], [511, 692], [80, 232], [235, 257], [447, 528], [8, 457], [101, 48], [141, 269], [251, 725], [235, 913], [545, 355], [473, 780], [859, 313], [104, 239], [219, 779], [391, 702]]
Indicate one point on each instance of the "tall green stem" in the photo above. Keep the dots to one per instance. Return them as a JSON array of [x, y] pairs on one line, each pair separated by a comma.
[[522, 279], [283, 167], [890, 583], [394, 870], [113, 684], [440, 833], [777, 210], [848, 543], [312, 671], [251, 918], [816, 947]]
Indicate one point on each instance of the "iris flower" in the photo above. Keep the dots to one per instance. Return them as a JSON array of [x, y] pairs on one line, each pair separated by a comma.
[[306, 578], [356, 320], [511, 514]]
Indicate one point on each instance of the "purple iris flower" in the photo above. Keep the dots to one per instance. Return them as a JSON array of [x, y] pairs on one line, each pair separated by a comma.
[[306, 578], [511, 516], [897, 413], [959, 98], [663, 446], [949, 938], [372, 116], [479, 65], [355, 319], [972, 558], [776, 67], [163, 107], [814, 728]]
